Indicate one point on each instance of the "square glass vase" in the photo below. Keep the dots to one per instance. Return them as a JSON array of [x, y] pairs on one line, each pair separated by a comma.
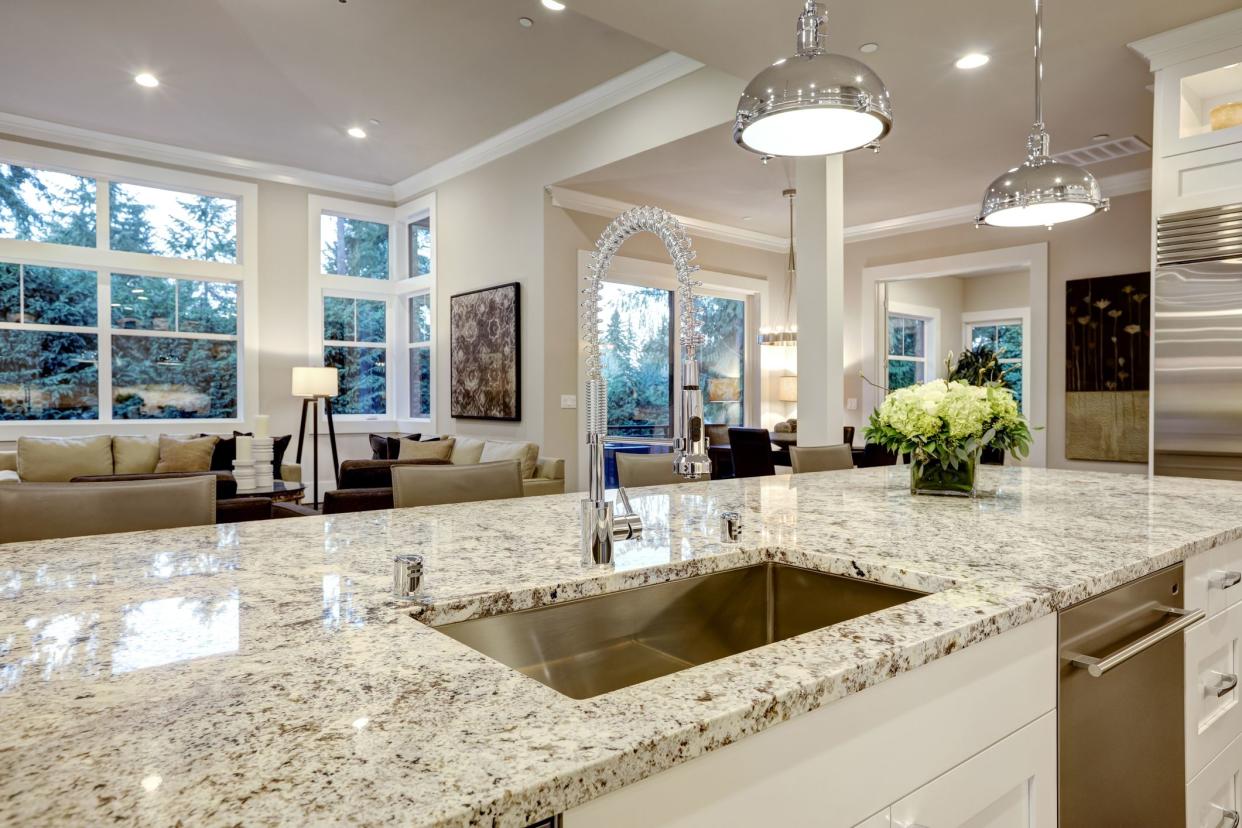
[[930, 477]]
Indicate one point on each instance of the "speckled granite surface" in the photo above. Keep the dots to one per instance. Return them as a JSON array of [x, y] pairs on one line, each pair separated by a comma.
[[261, 673]]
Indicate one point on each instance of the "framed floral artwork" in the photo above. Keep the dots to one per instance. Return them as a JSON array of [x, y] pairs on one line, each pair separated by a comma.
[[485, 353]]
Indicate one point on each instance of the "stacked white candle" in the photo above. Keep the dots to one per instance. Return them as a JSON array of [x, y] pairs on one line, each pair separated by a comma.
[[264, 453], [244, 465]]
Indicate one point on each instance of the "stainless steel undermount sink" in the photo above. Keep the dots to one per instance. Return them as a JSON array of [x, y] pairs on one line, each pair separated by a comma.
[[595, 645]]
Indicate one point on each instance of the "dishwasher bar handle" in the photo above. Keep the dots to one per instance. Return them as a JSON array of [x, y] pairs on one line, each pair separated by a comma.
[[1182, 618]]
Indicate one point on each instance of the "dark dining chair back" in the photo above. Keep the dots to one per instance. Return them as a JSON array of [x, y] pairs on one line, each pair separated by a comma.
[[751, 449], [847, 435], [717, 434], [875, 454]]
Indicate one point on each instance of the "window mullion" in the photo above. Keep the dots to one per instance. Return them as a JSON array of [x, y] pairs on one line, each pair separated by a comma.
[[104, 344]]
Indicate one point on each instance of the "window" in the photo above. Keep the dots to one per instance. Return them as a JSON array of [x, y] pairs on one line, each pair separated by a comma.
[[85, 339], [907, 350], [49, 348], [374, 271], [723, 358], [1004, 337], [355, 342], [46, 206], [183, 364], [419, 240], [353, 247], [170, 223], [636, 352], [419, 311]]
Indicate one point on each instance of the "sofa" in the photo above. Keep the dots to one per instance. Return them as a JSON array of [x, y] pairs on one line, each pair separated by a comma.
[[81, 457], [541, 475]]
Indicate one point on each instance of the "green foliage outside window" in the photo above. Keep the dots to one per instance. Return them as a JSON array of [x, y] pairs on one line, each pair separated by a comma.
[[353, 247]]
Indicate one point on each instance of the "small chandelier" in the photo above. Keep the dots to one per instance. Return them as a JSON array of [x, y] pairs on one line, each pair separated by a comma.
[[813, 103], [1040, 191], [787, 335]]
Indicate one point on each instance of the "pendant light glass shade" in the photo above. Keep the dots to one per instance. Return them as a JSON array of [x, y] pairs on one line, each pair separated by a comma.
[[1040, 191], [813, 103]]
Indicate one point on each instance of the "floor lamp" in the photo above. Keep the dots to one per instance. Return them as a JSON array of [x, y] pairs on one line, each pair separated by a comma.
[[313, 385]]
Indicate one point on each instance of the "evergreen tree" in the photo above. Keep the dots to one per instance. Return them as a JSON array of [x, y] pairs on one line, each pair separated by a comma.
[[129, 226], [15, 209], [73, 216], [210, 233]]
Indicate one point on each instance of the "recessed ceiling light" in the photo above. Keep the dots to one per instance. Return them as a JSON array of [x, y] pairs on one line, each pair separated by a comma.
[[356, 132], [1103, 136], [868, 48], [553, 5], [374, 122], [972, 61], [525, 22], [146, 79]]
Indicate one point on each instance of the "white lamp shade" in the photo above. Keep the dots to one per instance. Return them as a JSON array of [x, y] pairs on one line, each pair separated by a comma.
[[315, 382], [788, 390]]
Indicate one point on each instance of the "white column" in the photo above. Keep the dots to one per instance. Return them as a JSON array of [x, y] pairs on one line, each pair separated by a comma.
[[820, 237]]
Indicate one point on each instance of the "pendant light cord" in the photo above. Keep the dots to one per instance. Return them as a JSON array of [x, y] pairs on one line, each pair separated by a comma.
[[791, 282], [1039, 65]]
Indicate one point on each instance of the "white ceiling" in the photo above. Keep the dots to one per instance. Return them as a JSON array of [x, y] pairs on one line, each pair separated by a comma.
[[279, 81], [954, 131]]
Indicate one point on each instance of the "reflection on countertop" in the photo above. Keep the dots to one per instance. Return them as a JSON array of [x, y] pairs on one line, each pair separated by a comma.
[[262, 672]]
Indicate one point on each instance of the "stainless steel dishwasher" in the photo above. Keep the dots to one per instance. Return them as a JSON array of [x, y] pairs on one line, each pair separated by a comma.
[[1120, 739]]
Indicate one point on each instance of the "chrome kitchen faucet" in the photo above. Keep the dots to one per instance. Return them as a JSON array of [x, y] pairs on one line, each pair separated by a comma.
[[601, 527]]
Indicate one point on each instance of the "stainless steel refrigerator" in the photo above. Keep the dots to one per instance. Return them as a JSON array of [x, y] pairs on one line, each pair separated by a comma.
[[1197, 331]]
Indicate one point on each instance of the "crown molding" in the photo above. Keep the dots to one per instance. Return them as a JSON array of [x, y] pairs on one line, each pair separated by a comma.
[[641, 79], [611, 208], [1137, 181], [78, 138], [1122, 184], [1203, 37]]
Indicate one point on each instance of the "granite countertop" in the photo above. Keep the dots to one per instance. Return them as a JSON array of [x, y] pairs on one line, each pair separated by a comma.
[[262, 672]]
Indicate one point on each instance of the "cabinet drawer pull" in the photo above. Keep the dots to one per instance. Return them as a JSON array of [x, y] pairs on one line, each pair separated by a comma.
[[1225, 579], [1229, 818], [1224, 683], [1181, 619]]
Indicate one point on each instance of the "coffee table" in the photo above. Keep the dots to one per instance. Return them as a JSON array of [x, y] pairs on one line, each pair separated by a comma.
[[280, 492]]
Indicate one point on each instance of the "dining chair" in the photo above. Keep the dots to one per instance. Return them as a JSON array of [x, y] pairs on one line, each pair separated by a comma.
[[421, 485], [635, 470], [847, 435], [40, 511], [717, 434], [751, 449], [875, 454], [821, 458]]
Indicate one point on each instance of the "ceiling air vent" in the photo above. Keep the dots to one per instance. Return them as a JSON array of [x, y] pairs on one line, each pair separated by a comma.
[[1103, 151]]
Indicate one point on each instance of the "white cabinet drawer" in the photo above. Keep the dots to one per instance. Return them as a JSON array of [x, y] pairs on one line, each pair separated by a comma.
[[1213, 715], [1213, 795], [1214, 578], [1012, 784]]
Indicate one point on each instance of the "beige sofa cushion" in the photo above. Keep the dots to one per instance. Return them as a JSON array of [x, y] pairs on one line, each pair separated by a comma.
[[528, 453], [135, 455], [431, 450], [467, 451], [8, 461], [9, 476], [185, 454], [60, 459]]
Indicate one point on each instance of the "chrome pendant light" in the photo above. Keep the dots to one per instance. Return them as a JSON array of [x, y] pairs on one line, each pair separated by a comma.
[[813, 103], [1040, 191], [787, 335]]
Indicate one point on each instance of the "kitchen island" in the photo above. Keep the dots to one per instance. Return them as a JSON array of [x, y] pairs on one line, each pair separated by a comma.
[[263, 672]]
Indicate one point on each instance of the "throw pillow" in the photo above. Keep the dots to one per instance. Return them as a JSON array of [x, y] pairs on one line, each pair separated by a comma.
[[394, 444], [430, 450], [379, 446], [60, 459], [135, 455], [226, 451], [528, 453], [279, 446], [467, 450], [185, 454]]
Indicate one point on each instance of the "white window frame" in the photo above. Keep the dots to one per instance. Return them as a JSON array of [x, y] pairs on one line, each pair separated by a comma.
[[105, 261], [1004, 316], [932, 368], [394, 291]]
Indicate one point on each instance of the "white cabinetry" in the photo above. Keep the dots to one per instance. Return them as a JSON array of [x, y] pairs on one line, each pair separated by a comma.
[[946, 726], [1213, 714], [1012, 784], [1198, 69]]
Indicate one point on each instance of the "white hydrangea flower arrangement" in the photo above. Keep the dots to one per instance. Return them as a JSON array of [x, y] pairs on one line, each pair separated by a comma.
[[944, 425]]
